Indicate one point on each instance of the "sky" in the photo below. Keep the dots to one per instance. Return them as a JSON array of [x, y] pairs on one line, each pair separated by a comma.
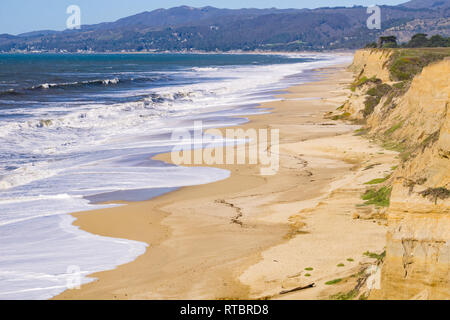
[[19, 16]]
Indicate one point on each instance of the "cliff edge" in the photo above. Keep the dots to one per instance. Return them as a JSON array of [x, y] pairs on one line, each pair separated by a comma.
[[401, 97]]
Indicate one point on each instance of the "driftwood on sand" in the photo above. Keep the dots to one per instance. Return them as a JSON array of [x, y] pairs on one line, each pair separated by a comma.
[[298, 288]]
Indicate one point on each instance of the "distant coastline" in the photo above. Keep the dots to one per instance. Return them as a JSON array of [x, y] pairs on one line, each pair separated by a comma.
[[255, 52]]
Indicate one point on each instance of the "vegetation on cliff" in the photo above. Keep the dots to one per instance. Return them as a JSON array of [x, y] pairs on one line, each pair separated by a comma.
[[383, 97], [401, 96], [406, 63], [378, 197], [374, 96]]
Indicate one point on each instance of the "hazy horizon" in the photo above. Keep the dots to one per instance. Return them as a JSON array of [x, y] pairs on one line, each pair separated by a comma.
[[21, 16]]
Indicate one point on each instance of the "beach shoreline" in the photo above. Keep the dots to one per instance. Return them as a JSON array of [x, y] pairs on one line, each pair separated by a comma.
[[253, 236]]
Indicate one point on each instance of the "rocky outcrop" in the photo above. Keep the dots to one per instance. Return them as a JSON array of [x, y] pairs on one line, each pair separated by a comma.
[[413, 118]]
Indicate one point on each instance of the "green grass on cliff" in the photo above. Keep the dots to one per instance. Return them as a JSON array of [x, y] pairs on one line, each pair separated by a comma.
[[394, 128], [374, 96], [331, 282], [352, 294], [378, 197], [362, 81], [403, 65], [378, 180], [406, 63]]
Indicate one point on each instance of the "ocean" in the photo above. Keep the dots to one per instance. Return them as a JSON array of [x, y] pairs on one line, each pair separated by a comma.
[[78, 130]]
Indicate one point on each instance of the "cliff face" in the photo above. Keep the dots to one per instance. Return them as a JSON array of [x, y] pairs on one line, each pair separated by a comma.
[[372, 63], [413, 118], [370, 68]]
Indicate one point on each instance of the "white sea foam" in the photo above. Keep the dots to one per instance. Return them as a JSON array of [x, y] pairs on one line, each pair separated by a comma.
[[37, 254], [199, 69], [39, 242], [68, 84]]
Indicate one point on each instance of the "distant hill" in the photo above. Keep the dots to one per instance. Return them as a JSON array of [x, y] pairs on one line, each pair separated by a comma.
[[429, 25], [212, 29], [431, 4], [179, 16]]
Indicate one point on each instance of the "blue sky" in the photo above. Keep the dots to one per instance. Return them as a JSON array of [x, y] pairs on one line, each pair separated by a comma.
[[18, 16]]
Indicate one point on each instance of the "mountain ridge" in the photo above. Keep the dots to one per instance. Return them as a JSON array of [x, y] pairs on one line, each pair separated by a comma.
[[208, 28], [419, 4]]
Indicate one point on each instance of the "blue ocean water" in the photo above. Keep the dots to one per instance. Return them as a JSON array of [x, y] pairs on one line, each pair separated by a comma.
[[76, 130]]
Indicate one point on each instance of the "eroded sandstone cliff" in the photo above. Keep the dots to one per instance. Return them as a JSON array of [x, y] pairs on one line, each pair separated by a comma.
[[403, 101]]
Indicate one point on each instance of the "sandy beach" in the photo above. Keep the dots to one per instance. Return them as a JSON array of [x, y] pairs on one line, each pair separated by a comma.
[[253, 236]]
